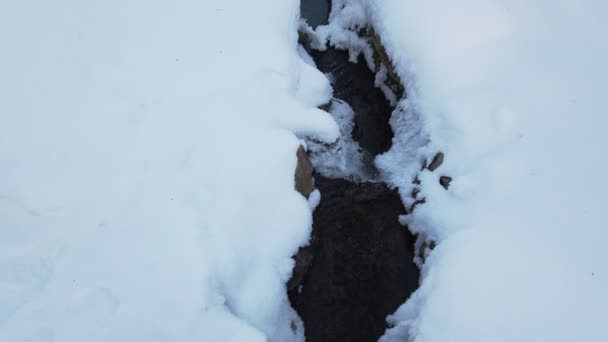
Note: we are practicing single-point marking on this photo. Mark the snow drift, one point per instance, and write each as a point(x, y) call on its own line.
point(147, 156)
point(512, 92)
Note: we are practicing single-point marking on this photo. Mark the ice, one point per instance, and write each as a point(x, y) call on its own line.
point(147, 156)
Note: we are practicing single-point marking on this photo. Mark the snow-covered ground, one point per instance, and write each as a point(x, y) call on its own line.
point(514, 93)
point(147, 156)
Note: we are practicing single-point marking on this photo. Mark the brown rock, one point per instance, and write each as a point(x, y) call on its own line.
point(437, 161)
point(305, 184)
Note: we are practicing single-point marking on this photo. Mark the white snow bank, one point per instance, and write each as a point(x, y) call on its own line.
point(147, 169)
point(345, 158)
point(346, 19)
point(513, 93)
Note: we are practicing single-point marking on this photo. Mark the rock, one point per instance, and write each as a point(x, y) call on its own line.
point(437, 161)
point(325, 107)
point(445, 181)
point(362, 263)
point(293, 326)
point(359, 266)
point(415, 193)
point(426, 247)
point(381, 58)
point(302, 261)
point(305, 184)
point(417, 203)
point(315, 12)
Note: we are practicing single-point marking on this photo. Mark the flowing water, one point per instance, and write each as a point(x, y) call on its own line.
point(359, 266)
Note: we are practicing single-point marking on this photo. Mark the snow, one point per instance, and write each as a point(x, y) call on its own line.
point(147, 156)
point(513, 93)
point(344, 158)
point(346, 18)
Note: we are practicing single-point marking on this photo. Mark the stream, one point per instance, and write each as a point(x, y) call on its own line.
point(359, 265)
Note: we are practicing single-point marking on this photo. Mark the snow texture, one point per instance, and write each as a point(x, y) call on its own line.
point(344, 158)
point(346, 20)
point(349, 21)
point(147, 156)
point(513, 93)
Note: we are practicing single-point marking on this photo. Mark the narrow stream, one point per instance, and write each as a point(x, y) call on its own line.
point(354, 83)
point(359, 266)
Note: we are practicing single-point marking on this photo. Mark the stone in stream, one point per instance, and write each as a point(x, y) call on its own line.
point(305, 183)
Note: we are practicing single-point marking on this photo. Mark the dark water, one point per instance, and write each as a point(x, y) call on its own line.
point(354, 83)
point(362, 267)
point(359, 266)
point(315, 12)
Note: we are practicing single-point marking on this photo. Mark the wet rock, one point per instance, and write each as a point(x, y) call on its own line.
point(305, 183)
point(362, 263)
